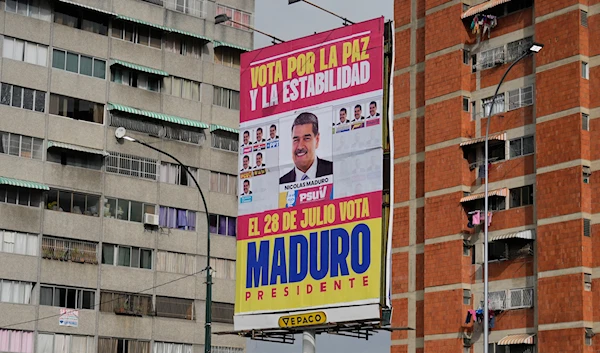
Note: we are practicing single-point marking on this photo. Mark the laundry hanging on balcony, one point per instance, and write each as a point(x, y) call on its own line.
point(482, 24)
point(477, 317)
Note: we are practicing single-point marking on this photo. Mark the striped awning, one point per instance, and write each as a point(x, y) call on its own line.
point(23, 183)
point(525, 338)
point(189, 34)
point(76, 148)
point(497, 137)
point(159, 116)
point(217, 43)
point(474, 10)
point(135, 20)
point(498, 192)
point(214, 127)
point(88, 7)
point(139, 67)
point(164, 28)
point(524, 234)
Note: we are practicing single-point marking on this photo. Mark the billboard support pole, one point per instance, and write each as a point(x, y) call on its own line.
point(309, 341)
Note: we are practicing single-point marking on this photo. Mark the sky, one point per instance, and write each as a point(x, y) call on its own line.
point(288, 22)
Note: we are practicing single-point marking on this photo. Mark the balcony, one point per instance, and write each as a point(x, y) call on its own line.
point(69, 250)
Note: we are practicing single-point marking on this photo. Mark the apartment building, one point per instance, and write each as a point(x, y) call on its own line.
point(103, 243)
point(450, 57)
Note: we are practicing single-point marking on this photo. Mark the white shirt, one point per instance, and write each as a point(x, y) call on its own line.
point(311, 172)
point(372, 116)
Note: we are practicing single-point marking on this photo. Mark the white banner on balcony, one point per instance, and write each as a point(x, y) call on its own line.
point(68, 317)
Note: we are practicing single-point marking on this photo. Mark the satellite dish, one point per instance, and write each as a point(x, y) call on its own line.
point(120, 132)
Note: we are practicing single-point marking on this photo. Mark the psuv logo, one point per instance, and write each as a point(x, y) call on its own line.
point(313, 195)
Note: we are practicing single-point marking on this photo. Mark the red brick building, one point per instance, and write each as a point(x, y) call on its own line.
point(544, 147)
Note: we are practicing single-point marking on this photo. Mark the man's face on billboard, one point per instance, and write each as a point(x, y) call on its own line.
point(258, 160)
point(304, 145)
point(246, 161)
point(246, 137)
point(343, 115)
point(272, 132)
point(246, 186)
point(258, 135)
point(372, 109)
point(357, 112)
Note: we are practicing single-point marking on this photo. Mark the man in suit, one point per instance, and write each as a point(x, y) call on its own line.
point(358, 113)
point(343, 116)
point(259, 135)
point(305, 141)
point(245, 163)
point(246, 138)
point(373, 110)
point(247, 188)
point(259, 163)
point(273, 133)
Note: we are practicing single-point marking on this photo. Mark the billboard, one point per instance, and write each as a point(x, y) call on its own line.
point(310, 205)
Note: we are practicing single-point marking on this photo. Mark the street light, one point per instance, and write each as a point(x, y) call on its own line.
point(533, 49)
point(346, 21)
point(121, 133)
point(222, 18)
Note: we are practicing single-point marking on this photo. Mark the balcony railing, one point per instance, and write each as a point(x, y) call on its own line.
point(69, 250)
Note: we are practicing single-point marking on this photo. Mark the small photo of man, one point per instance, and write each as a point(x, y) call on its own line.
point(358, 113)
point(343, 116)
point(246, 188)
point(246, 139)
point(273, 133)
point(373, 110)
point(259, 135)
point(245, 163)
point(259, 161)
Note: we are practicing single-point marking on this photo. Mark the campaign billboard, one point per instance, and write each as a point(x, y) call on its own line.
point(310, 179)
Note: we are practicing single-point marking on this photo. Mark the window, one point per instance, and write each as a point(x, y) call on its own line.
point(225, 140)
point(522, 196)
point(517, 48)
point(587, 173)
point(173, 262)
point(67, 297)
point(20, 50)
point(222, 312)
point(227, 98)
point(587, 227)
point(127, 210)
point(239, 16)
point(497, 300)
point(522, 146)
point(585, 70)
point(164, 347)
point(68, 201)
point(32, 8)
point(76, 108)
point(473, 110)
point(119, 345)
point(127, 164)
point(223, 268)
point(227, 56)
point(128, 256)
point(137, 33)
point(20, 145)
point(16, 341)
point(585, 122)
point(176, 218)
point(465, 104)
point(18, 243)
point(21, 97)
point(218, 349)
point(79, 64)
point(75, 158)
point(58, 343)
point(498, 105)
point(183, 45)
point(584, 18)
point(497, 151)
point(177, 308)
point(491, 58)
point(125, 303)
point(223, 183)
point(467, 296)
point(589, 335)
point(587, 281)
point(173, 174)
point(520, 97)
point(15, 292)
point(20, 196)
point(466, 250)
point(81, 18)
point(180, 87)
point(72, 250)
point(156, 128)
point(466, 56)
point(502, 250)
point(190, 7)
point(520, 298)
point(224, 225)
point(135, 79)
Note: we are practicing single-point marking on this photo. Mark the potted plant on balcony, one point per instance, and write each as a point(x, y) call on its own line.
point(77, 255)
point(47, 253)
point(61, 255)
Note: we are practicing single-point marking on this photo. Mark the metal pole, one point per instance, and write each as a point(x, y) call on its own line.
point(346, 21)
point(309, 344)
point(485, 211)
point(208, 302)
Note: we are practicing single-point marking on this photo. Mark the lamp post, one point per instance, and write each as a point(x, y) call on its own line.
point(346, 21)
point(222, 18)
point(121, 133)
point(533, 49)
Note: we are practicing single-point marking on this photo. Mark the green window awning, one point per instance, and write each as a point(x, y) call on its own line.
point(76, 148)
point(23, 183)
point(189, 34)
point(135, 20)
point(88, 7)
point(217, 43)
point(164, 28)
point(159, 116)
point(139, 67)
point(214, 127)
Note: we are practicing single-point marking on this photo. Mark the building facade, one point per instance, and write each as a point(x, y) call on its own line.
point(449, 59)
point(115, 230)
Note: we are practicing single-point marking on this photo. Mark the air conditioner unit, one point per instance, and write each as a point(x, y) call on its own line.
point(151, 219)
